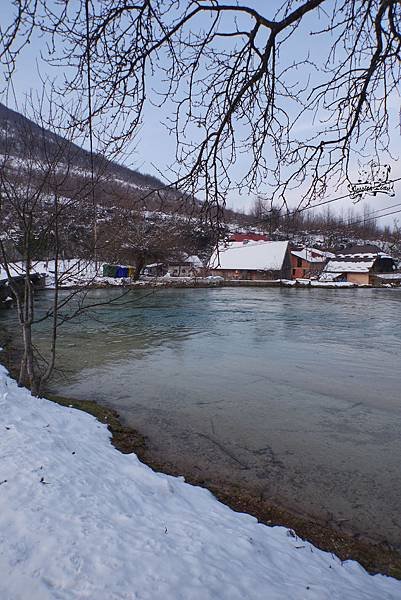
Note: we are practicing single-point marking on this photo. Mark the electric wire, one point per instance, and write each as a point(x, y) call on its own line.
point(313, 206)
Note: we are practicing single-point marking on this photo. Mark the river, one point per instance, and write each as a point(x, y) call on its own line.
point(291, 393)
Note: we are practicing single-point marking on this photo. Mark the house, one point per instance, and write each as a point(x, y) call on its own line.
point(358, 264)
point(308, 263)
point(184, 266)
point(187, 266)
point(254, 237)
point(250, 260)
point(157, 269)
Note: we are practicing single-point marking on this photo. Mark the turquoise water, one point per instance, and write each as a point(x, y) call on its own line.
point(293, 394)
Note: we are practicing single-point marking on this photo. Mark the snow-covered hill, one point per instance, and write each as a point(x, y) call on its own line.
point(14, 127)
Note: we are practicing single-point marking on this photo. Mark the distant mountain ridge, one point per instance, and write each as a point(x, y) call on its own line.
point(14, 124)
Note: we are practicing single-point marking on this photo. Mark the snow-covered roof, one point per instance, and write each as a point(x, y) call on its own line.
point(307, 254)
point(349, 266)
point(185, 259)
point(393, 276)
point(355, 263)
point(326, 276)
point(373, 255)
point(194, 260)
point(252, 256)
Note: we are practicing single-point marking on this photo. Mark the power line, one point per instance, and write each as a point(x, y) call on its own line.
point(367, 219)
point(298, 210)
point(386, 208)
point(311, 207)
point(334, 200)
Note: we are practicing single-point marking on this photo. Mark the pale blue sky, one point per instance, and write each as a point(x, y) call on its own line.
point(154, 145)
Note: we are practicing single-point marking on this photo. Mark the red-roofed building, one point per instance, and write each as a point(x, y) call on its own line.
point(254, 237)
point(308, 262)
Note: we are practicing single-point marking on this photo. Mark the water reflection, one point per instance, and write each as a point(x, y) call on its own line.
point(293, 393)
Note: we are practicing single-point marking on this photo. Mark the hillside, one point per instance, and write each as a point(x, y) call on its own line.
point(25, 147)
point(126, 212)
point(14, 128)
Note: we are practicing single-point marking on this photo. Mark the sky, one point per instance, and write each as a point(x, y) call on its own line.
point(155, 147)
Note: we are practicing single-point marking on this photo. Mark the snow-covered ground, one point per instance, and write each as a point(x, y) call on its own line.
point(80, 520)
point(81, 273)
point(337, 284)
point(72, 272)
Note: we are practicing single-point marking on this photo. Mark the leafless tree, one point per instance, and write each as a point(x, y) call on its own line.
point(42, 204)
point(47, 217)
point(394, 240)
point(296, 91)
point(333, 227)
point(137, 238)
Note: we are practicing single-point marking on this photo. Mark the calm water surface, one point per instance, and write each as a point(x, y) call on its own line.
point(294, 394)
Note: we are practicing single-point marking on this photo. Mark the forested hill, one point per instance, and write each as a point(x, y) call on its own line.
point(28, 144)
point(21, 138)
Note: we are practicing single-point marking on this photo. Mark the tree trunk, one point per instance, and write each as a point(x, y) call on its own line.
point(139, 264)
point(22, 379)
point(29, 359)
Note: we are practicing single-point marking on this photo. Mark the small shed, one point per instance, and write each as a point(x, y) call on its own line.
point(248, 260)
point(187, 266)
point(157, 269)
point(358, 265)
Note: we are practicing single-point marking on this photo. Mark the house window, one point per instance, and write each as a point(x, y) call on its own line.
point(294, 271)
point(299, 262)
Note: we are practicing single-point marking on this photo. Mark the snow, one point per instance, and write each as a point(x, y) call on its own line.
point(79, 272)
point(261, 256)
point(308, 254)
point(393, 276)
point(73, 272)
point(372, 255)
point(344, 266)
point(327, 276)
point(337, 284)
point(326, 282)
point(79, 520)
point(194, 260)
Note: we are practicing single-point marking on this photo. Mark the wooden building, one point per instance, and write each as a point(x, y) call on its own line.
point(184, 266)
point(247, 260)
point(358, 264)
point(187, 266)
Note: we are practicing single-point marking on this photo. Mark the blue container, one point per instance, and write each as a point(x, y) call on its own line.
point(122, 272)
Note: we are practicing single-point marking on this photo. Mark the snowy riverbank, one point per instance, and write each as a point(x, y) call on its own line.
point(78, 519)
point(76, 273)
